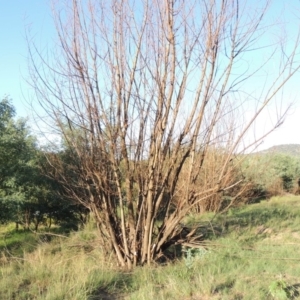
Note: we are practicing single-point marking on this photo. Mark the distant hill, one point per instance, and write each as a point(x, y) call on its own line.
point(288, 149)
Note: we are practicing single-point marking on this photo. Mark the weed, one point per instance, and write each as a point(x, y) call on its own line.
point(193, 254)
point(279, 290)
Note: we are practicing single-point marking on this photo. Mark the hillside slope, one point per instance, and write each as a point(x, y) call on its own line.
point(288, 149)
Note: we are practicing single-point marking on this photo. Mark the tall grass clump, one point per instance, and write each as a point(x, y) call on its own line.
point(66, 268)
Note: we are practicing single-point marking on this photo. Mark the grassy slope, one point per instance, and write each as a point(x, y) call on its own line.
point(251, 253)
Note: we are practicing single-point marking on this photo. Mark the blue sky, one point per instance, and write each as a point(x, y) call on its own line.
point(17, 16)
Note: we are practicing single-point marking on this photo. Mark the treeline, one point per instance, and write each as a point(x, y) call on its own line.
point(272, 174)
point(31, 195)
point(28, 196)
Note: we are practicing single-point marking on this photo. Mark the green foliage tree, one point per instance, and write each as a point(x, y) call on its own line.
point(272, 174)
point(26, 195)
point(14, 145)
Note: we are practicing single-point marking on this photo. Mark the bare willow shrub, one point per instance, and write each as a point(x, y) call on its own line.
point(146, 96)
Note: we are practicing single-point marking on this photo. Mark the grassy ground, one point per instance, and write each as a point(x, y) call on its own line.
point(250, 253)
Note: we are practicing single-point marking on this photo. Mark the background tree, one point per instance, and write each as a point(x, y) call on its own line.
point(15, 150)
point(27, 196)
point(272, 173)
point(154, 89)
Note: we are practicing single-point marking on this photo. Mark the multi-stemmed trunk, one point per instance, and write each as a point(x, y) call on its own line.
point(146, 96)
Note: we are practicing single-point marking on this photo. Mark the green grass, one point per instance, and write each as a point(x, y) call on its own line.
point(249, 253)
point(15, 243)
point(65, 268)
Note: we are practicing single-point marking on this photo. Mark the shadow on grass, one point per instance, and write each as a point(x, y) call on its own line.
point(225, 286)
point(16, 242)
point(293, 291)
point(113, 290)
point(103, 295)
point(255, 216)
point(249, 216)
